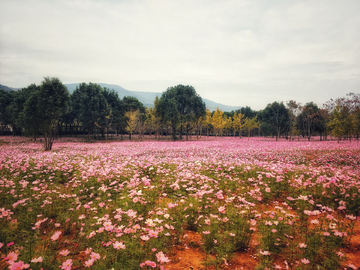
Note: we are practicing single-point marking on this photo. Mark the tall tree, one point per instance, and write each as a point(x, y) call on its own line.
point(294, 110)
point(117, 108)
point(155, 116)
point(132, 121)
point(31, 116)
point(247, 112)
point(309, 119)
point(45, 106)
point(251, 124)
point(238, 122)
point(345, 116)
point(180, 104)
point(90, 105)
point(207, 121)
point(15, 108)
point(218, 121)
point(132, 104)
point(5, 101)
point(276, 118)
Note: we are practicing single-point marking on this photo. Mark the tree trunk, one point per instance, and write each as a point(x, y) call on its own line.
point(174, 131)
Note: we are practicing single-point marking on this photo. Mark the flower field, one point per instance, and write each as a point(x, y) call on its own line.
point(220, 203)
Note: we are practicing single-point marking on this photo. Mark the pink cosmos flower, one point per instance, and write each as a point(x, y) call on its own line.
point(17, 266)
point(95, 256)
point(66, 265)
point(153, 233)
point(352, 266)
point(144, 237)
point(222, 209)
point(12, 256)
point(305, 261)
point(64, 252)
point(37, 260)
point(56, 235)
point(89, 263)
point(91, 234)
point(101, 204)
point(148, 263)
point(340, 254)
point(119, 245)
point(162, 258)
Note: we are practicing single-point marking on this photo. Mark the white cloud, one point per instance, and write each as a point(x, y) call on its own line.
point(234, 52)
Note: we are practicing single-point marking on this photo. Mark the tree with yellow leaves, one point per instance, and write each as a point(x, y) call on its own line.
point(207, 121)
point(228, 124)
point(251, 124)
point(132, 121)
point(238, 122)
point(218, 121)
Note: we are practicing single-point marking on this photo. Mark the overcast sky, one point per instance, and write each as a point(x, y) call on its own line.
point(245, 53)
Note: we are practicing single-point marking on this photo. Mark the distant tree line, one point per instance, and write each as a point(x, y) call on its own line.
point(49, 110)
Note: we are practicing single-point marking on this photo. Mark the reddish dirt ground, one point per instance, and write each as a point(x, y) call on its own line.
point(189, 255)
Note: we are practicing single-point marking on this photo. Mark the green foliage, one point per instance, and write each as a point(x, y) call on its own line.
point(90, 106)
point(309, 120)
point(275, 118)
point(180, 105)
point(43, 107)
point(117, 109)
point(5, 100)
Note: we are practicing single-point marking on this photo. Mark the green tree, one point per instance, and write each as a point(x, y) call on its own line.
point(132, 104)
point(180, 105)
point(45, 106)
point(275, 119)
point(345, 116)
point(15, 108)
point(247, 112)
point(294, 110)
point(5, 100)
point(309, 120)
point(90, 106)
point(31, 116)
point(117, 109)
point(337, 123)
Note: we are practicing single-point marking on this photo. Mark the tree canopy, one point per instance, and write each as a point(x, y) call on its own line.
point(180, 105)
point(275, 119)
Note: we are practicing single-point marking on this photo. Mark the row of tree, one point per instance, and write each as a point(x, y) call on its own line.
point(339, 117)
point(49, 108)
